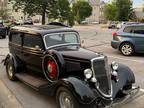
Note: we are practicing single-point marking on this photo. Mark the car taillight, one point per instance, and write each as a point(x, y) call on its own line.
point(52, 69)
point(114, 34)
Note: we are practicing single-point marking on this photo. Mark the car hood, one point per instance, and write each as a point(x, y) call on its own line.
point(77, 53)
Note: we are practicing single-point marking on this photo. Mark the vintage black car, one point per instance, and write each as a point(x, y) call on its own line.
point(51, 60)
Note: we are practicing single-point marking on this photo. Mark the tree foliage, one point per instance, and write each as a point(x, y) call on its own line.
point(110, 11)
point(81, 10)
point(54, 9)
point(4, 13)
point(120, 10)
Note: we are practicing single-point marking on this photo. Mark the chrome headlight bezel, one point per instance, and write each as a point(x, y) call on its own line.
point(88, 73)
point(114, 66)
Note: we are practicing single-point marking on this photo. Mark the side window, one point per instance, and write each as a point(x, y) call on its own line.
point(128, 29)
point(139, 30)
point(32, 41)
point(16, 38)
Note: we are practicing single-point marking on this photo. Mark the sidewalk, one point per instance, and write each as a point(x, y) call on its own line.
point(7, 99)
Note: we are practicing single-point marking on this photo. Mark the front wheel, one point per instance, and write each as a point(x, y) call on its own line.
point(127, 49)
point(65, 99)
point(10, 70)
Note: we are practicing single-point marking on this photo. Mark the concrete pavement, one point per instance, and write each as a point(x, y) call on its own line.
point(7, 99)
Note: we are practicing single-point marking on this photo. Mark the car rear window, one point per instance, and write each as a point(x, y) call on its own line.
point(128, 29)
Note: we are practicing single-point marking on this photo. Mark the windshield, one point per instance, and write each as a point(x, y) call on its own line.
point(59, 39)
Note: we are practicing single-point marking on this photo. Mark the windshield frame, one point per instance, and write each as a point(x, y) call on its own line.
point(59, 45)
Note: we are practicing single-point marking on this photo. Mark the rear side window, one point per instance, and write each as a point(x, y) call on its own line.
point(128, 29)
point(16, 38)
point(32, 41)
point(139, 30)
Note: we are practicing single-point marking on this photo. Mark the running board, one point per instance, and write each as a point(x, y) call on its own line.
point(33, 81)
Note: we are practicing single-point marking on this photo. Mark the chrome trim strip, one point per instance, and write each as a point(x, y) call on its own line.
point(53, 46)
point(97, 86)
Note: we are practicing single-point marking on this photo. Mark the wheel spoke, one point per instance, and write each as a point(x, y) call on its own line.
point(65, 100)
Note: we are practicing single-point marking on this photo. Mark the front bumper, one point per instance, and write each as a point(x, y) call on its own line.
point(131, 95)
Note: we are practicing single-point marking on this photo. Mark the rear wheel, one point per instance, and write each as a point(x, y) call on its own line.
point(10, 70)
point(127, 49)
point(65, 99)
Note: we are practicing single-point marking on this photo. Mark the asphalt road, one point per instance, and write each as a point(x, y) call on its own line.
point(96, 39)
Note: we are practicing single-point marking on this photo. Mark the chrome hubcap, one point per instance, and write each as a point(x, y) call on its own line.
point(10, 70)
point(126, 49)
point(65, 100)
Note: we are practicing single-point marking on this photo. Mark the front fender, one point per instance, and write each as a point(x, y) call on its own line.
point(125, 76)
point(79, 89)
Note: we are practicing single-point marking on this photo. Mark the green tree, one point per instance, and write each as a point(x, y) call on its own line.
point(4, 13)
point(120, 10)
point(81, 10)
point(124, 10)
point(110, 11)
point(64, 10)
point(40, 7)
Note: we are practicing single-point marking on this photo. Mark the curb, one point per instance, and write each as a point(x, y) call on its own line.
point(7, 99)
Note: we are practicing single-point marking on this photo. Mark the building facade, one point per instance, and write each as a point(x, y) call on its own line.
point(98, 11)
point(139, 12)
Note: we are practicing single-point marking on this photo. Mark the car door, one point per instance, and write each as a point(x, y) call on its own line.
point(139, 38)
point(33, 52)
point(15, 44)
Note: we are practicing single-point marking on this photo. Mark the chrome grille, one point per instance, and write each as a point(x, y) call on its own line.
point(101, 71)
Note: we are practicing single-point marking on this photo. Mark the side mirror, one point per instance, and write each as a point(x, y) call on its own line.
point(82, 44)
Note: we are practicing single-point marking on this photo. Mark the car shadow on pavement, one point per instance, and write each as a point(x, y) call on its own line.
point(27, 96)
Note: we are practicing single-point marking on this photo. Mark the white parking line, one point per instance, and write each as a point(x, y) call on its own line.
point(139, 61)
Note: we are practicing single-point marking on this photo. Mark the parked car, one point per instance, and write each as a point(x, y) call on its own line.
point(3, 30)
point(129, 39)
point(51, 60)
point(28, 22)
point(112, 25)
point(58, 24)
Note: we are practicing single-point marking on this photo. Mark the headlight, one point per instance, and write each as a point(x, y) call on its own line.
point(88, 73)
point(114, 66)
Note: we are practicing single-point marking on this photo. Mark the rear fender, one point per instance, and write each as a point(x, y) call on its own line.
point(15, 60)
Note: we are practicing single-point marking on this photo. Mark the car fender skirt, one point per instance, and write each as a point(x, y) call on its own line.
point(79, 89)
point(125, 76)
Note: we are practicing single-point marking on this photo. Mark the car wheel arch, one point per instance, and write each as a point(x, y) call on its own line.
point(126, 42)
point(15, 61)
point(70, 84)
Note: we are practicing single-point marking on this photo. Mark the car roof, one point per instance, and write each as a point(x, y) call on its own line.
point(41, 29)
point(135, 24)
